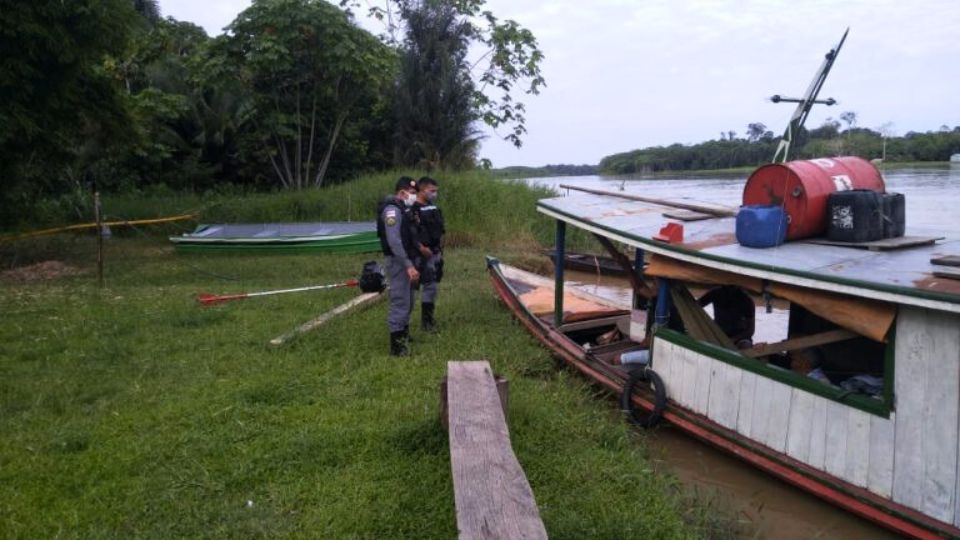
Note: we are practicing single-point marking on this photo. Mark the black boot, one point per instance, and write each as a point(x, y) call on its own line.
point(398, 344)
point(427, 323)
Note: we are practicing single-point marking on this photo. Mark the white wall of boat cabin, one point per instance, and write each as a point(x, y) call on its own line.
point(910, 457)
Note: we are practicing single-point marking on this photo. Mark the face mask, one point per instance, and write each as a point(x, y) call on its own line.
point(410, 199)
point(432, 196)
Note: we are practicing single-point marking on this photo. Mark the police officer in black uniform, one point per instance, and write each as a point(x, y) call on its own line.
point(430, 245)
point(397, 231)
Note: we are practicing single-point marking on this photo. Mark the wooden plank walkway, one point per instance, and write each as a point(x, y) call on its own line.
point(493, 497)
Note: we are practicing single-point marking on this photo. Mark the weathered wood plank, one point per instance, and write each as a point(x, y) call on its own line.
point(493, 497)
point(908, 467)
point(688, 391)
point(748, 385)
point(762, 405)
point(704, 375)
point(818, 434)
point(856, 464)
point(779, 416)
point(771, 413)
point(885, 244)
point(830, 336)
point(362, 300)
point(941, 413)
point(946, 260)
point(686, 215)
point(800, 425)
point(947, 273)
point(835, 452)
point(880, 475)
point(724, 400)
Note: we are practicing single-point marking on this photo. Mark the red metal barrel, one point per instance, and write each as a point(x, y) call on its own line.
point(802, 188)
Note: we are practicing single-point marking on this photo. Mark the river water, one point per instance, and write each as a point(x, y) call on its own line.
point(764, 506)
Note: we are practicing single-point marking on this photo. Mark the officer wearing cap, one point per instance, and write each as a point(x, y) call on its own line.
point(430, 245)
point(397, 232)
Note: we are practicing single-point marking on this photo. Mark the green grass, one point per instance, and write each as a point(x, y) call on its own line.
point(133, 412)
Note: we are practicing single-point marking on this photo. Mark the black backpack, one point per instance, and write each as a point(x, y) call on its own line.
point(372, 278)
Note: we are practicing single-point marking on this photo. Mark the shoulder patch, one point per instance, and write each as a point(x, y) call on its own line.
point(391, 221)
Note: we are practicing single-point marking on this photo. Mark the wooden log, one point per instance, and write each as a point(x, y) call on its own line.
point(362, 300)
point(493, 497)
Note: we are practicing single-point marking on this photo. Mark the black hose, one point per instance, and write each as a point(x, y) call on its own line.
point(637, 416)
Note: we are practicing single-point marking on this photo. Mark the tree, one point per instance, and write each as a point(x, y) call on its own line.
point(308, 69)
point(756, 131)
point(433, 105)
point(850, 118)
point(60, 109)
point(510, 57)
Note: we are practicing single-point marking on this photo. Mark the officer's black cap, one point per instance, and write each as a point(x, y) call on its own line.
point(405, 183)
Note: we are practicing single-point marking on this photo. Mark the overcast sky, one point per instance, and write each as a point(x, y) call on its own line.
point(625, 74)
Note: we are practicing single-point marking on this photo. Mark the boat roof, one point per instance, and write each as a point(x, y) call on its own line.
point(263, 231)
point(903, 276)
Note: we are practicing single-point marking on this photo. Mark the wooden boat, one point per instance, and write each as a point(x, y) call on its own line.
point(891, 457)
point(332, 237)
point(585, 262)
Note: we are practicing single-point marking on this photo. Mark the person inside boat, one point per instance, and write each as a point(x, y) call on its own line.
point(734, 312)
point(395, 227)
point(430, 244)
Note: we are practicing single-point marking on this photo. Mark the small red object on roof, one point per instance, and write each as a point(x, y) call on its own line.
point(671, 233)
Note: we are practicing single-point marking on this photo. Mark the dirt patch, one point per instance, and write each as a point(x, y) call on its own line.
point(43, 271)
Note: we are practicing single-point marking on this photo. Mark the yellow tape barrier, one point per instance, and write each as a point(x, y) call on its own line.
point(82, 226)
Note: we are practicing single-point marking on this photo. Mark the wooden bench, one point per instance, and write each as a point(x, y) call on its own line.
point(493, 497)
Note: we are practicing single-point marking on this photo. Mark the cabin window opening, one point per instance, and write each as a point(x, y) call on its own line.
point(774, 335)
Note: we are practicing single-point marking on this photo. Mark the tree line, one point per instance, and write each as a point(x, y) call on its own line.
point(295, 94)
point(757, 147)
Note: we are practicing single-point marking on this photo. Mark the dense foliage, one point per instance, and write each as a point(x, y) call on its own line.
point(294, 95)
point(759, 146)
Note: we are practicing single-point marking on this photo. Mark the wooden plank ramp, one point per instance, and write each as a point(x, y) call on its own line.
point(313, 324)
point(493, 497)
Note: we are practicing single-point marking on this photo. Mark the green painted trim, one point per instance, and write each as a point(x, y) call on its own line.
point(362, 245)
point(928, 295)
point(866, 404)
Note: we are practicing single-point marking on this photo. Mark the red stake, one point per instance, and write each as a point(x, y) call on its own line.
point(208, 299)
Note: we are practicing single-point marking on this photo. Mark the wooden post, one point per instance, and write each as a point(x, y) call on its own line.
point(492, 494)
point(98, 217)
point(561, 241)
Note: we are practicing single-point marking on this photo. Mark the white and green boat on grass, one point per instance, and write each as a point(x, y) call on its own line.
point(332, 237)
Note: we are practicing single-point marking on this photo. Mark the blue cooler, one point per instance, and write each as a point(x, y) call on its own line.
point(761, 225)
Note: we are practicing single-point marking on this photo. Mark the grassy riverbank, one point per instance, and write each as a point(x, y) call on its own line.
point(131, 411)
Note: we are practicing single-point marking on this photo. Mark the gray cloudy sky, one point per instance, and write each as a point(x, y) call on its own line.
point(624, 74)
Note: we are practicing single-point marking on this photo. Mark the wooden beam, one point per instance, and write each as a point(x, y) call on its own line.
point(831, 336)
point(493, 497)
point(713, 211)
point(362, 300)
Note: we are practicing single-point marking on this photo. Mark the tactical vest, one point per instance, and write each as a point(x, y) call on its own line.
point(431, 224)
point(407, 228)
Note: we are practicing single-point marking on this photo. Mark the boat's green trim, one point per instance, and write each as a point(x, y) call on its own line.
point(867, 404)
point(917, 293)
point(361, 243)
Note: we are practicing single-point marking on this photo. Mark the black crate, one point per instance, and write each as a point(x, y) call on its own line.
point(855, 216)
